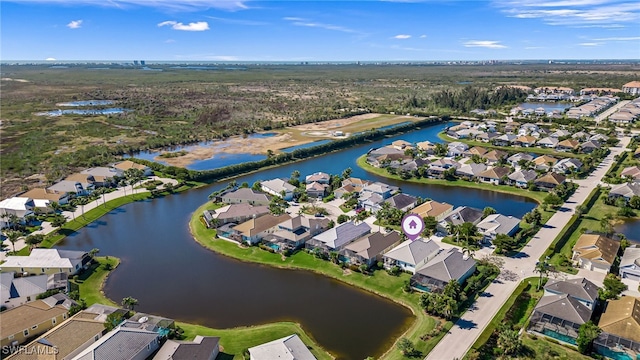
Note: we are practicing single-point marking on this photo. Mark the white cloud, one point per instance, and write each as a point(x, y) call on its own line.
point(169, 41)
point(485, 44)
point(75, 24)
point(309, 23)
point(293, 18)
point(171, 5)
point(402, 36)
point(50, 59)
point(621, 38)
point(423, 36)
point(194, 26)
point(590, 44)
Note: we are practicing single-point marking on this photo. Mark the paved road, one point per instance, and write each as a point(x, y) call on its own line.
point(468, 328)
point(611, 110)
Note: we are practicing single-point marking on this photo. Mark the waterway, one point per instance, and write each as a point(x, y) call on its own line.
point(171, 275)
point(548, 107)
point(631, 229)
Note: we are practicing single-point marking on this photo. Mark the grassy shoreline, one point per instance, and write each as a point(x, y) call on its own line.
point(380, 283)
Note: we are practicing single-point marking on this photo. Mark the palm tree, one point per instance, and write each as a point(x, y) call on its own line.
point(13, 236)
point(129, 302)
point(34, 239)
point(542, 267)
point(468, 251)
point(94, 252)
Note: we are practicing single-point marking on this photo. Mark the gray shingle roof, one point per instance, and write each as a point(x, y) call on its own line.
point(287, 348)
point(448, 265)
point(413, 252)
point(464, 214)
point(564, 307)
point(342, 234)
point(372, 245)
point(580, 288)
point(400, 201)
point(120, 344)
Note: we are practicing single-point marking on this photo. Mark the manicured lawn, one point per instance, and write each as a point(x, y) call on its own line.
point(543, 349)
point(91, 281)
point(535, 195)
point(380, 282)
point(235, 341)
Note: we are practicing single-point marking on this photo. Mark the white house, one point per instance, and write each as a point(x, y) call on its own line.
point(289, 347)
point(278, 187)
point(18, 206)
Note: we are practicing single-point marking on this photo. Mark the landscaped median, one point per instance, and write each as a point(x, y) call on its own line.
point(380, 282)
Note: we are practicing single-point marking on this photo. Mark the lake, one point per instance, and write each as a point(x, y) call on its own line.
point(631, 229)
point(171, 275)
point(548, 107)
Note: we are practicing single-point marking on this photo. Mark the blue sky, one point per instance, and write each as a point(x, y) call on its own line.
point(222, 30)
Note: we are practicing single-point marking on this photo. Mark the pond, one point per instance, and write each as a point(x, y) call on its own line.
point(548, 107)
point(59, 112)
point(630, 229)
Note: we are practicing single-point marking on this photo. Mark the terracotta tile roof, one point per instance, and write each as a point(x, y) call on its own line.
point(255, 226)
point(597, 248)
point(44, 194)
point(569, 143)
point(544, 160)
point(432, 208)
point(24, 316)
point(495, 173)
point(622, 318)
point(128, 164)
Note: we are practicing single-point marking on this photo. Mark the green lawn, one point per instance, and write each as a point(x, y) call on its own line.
point(380, 282)
point(91, 281)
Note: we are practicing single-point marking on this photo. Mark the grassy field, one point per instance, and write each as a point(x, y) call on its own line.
point(91, 281)
point(380, 282)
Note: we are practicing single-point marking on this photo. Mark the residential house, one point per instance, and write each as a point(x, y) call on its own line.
point(544, 162)
point(528, 128)
point(47, 261)
point(622, 117)
point(378, 188)
point(459, 216)
point(253, 230)
point(370, 202)
point(620, 324)
point(278, 187)
point(477, 150)
point(559, 317)
point(488, 137)
point(65, 341)
point(50, 196)
point(515, 159)
point(521, 178)
point(33, 319)
point(449, 265)
point(126, 342)
point(21, 207)
point(599, 138)
point(560, 133)
point(427, 146)
point(548, 142)
point(630, 264)
point(495, 224)
point(292, 234)
point(345, 190)
point(470, 170)
point(580, 135)
point(494, 175)
point(636, 154)
point(525, 141)
point(590, 146)
point(504, 140)
point(402, 145)
point(200, 348)
point(358, 184)
point(16, 291)
point(73, 186)
point(467, 133)
point(580, 289)
point(632, 87)
point(567, 165)
point(631, 171)
point(128, 164)
point(495, 156)
point(103, 176)
point(457, 149)
point(368, 250)
point(438, 167)
point(626, 190)
point(595, 252)
point(567, 145)
point(335, 239)
point(245, 195)
point(233, 213)
point(433, 208)
point(386, 150)
point(288, 347)
point(319, 177)
point(316, 190)
point(549, 181)
point(411, 255)
point(402, 202)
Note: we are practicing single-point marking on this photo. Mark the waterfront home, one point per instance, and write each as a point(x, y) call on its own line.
point(549, 181)
point(595, 252)
point(544, 162)
point(60, 197)
point(620, 324)
point(402, 145)
point(456, 149)
point(386, 150)
point(16, 291)
point(567, 145)
point(253, 230)
point(244, 195)
point(103, 176)
point(316, 190)
point(521, 178)
point(72, 186)
point(356, 183)
point(449, 265)
point(402, 202)
point(411, 255)
point(580, 289)
point(477, 150)
point(525, 141)
point(411, 165)
point(371, 202)
point(626, 190)
point(567, 165)
point(288, 347)
point(66, 340)
point(438, 167)
point(319, 177)
point(495, 224)
point(278, 187)
point(630, 264)
point(487, 137)
point(559, 317)
point(504, 140)
point(632, 172)
point(458, 216)
point(233, 213)
point(368, 250)
point(21, 207)
point(435, 209)
point(335, 239)
point(470, 171)
point(128, 164)
point(291, 234)
point(33, 319)
point(201, 347)
point(47, 261)
point(427, 147)
point(515, 159)
point(494, 175)
point(495, 156)
point(590, 146)
point(548, 142)
point(127, 341)
point(467, 133)
point(381, 189)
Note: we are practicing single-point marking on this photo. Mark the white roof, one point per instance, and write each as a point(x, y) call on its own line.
point(42, 203)
point(45, 258)
point(15, 203)
point(287, 348)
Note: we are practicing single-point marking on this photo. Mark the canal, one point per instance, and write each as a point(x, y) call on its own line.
point(171, 275)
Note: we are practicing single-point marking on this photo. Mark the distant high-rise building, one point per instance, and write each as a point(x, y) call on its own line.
point(142, 62)
point(135, 62)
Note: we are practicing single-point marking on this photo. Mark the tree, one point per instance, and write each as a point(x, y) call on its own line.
point(467, 251)
point(58, 220)
point(605, 224)
point(509, 340)
point(542, 267)
point(406, 347)
point(613, 287)
point(430, 224)
point(553, 200)
point(468, 232)
point(295, 178)
point(13, 236)
point(534, 217)
point(504, 242)
point(488, 211)
point(129, 302)
point(587, 333)
point(343, 218)
point(94, 252)
point(114, 319)
point(34, 240)
point(347, 173)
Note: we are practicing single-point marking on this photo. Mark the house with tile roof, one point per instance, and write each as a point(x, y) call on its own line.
point(411, 255)
point(458, 216)
point(47, 261)
point(103, 176)
point(580, 289)
point(559, 317)
point(525, 141)
point(567, 165)
point(200, 348)
point(293, 233)
point(625, 190)
point(18, 206)
point(123, 343)
point(494, 175)
point(521, 178)
point(61, 197)
point(402, 201)
point(477, 150)
point(233, 213)
point(433, 208)
point(286, 348)
point(470, 170)
point(544, 162)
point(368, 250)
point(495, 224)
point(632, 172)
point(515, 159)
point(620, 324)
point(630, 264)
point(319, 177)
point(128, 164)
point(567, 145)
point(335, 239)
point(278, 187)
point(636, 154)
point(595, 252)
point(253, 231)
point(548, 142)
point(449, 265)
point(15, 291)
point(316, 190)
point(244, 195)
point(632, 87)
point(549, 181)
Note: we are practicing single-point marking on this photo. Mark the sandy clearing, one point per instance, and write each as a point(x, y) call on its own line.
point(332, 124)
point(17, 80)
